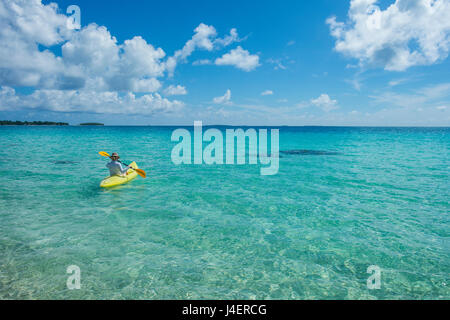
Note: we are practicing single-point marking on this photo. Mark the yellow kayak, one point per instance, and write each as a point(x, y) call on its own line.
point(112, 181)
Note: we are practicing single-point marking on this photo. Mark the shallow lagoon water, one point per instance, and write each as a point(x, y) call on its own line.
point(371, 196)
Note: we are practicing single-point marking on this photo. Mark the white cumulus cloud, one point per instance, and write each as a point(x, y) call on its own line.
point(407, 33)
point(24, 26)
point(204, 38)
point(267, 93)
point(225, 99)
point(229, 39)
point(201, 62)
point(88, 101)
point(89, 70)
point(91, 55)
point(325, 103)
point(175, 90)
point(239, 58)
point(131, 66)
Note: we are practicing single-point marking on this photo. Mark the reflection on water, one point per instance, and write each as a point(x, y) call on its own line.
point(65, 162)
point(310, 152)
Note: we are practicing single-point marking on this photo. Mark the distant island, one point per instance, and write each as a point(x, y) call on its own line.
point(31, 123)
point(91, 124)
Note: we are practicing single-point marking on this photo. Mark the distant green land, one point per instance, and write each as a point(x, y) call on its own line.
point(91, 124)
point(31, 123)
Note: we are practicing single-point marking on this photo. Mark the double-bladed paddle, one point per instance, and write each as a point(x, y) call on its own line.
point(139, 171)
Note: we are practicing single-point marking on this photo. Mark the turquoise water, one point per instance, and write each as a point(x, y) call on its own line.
point(199, 232)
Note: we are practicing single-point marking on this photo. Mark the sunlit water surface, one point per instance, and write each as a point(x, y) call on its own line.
point(370, 196)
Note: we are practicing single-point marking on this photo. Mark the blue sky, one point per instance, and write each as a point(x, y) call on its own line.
point(381, 63)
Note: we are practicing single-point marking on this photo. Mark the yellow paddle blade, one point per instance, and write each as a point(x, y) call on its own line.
point(141, 172)
point(103, 153)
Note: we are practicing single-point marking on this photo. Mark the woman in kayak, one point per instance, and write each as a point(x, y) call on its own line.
point(115, 166)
